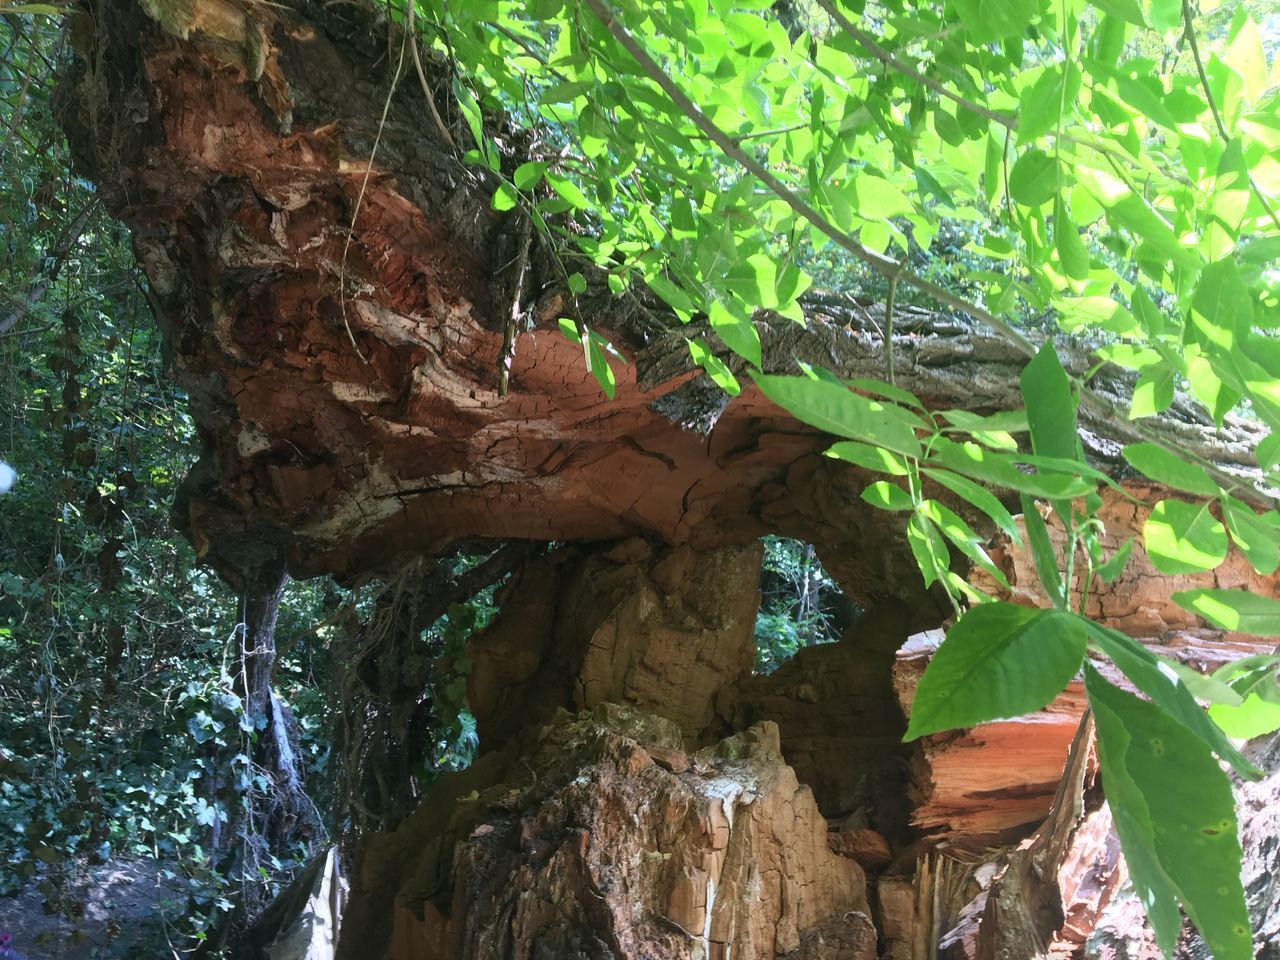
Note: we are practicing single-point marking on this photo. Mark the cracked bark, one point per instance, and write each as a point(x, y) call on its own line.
point(235, 139)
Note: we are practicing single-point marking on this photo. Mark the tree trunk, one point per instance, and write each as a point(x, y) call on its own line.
point(337, 319)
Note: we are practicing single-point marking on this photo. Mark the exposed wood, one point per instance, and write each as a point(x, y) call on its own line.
point(236, 139)
point(593, 825)
point(338, 315)
point(998, 779)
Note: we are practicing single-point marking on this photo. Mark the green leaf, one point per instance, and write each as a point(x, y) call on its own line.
point(569, 330)
point(1184, 537)
point(1051, 408)
point(888, 496)
point(1158, 464)
point(505, 197)
point(991, 431)
point(735, 328)
point(569, 191)
point(989, 20)
point(594, 349)
point(878, 199)
point(1222, 308)
point(999, 660)
point(1153, 392)
point(999, 469)
point(928, 547)
point(1149, 227)
point(878, 388)
point(865, 455)
point(1166, 690)
point(962, 535)
point(1268, 454)
point(1205, 688)
point(1116, 563)
point(843, 413)
point(1254, 717)
point(528, 174)
point(1257, 539)
point(1042, 552)
point(980, 497)
point(716, 368)
point(1071, 249)
point(1234, 610)
point(1175, 814)
point(755, 281)
point(1033, 181)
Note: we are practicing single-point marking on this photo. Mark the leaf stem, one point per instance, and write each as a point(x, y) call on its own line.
point(1188, 29)
point(868, 43)
point(887, 266)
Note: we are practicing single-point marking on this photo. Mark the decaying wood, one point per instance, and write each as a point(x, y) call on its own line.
point(236, 140)
point(994, 782)
point(608, 817)
point(338, 319)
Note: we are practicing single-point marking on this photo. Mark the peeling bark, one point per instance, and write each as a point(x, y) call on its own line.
point(1057, 893)
point(338, 320)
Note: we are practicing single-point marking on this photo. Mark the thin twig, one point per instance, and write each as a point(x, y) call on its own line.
point(509, 331)
point(868, 43)
point(364, 185)
point(890, 268)
point(422, 77)
point(888, 323)
point(1189, 30)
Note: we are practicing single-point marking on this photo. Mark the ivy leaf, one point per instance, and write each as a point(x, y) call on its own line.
point(1234, 610)
point(1175, 814)
point(1184, 537)
point(999, 660)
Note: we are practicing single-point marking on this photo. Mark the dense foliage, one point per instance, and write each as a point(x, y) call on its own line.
point(1109, 167)
point(121, 728)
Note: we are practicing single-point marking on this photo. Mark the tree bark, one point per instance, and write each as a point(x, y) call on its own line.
point(337, 319)
point(338, 316)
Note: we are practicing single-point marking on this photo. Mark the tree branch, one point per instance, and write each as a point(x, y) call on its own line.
point(1189, 31)
point(892, 269)
point(868, 43)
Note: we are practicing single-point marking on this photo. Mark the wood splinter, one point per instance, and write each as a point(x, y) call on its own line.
point(520, 265)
